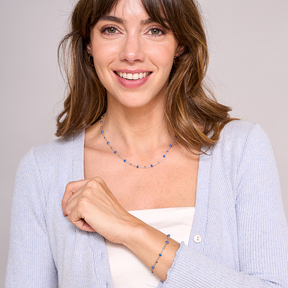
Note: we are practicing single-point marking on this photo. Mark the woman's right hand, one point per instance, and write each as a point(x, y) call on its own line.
point(91, 206)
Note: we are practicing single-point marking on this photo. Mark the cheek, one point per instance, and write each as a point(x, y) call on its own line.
point(103, 55)
point(162, 56)
point(163, 60)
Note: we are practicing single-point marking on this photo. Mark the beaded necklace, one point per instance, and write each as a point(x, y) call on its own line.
point(124, 160)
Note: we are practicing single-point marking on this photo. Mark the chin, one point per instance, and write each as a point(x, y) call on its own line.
point(135, 103)
point(133, 100)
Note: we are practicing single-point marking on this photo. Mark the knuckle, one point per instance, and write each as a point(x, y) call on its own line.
point(83, 202)
point(70, 186)
point(68, 212)
point(88, 192)
point(99, 180)
point(93, 183)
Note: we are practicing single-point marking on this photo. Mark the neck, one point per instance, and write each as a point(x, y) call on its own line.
point(138, 132)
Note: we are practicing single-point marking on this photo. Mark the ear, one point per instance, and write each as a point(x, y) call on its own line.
point(89, 49)
point(180, 50)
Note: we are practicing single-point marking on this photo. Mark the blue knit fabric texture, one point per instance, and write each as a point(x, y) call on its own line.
point(239, 219)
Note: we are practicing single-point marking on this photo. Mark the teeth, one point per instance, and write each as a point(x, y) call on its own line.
point(134, 76)
point(129, 76)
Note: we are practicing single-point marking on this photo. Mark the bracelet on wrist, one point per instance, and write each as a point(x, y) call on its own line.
point(160, 254)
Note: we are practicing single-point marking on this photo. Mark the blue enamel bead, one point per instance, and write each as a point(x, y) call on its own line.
point(115, 152)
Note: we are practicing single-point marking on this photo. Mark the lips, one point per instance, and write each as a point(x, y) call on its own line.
point(133, 79)
point(132, 75)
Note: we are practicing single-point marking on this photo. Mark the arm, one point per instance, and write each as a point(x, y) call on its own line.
point(261, 264)
point(30, 262)
point(262, 229)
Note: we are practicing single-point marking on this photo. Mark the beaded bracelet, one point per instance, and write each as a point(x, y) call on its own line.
point(160, 254)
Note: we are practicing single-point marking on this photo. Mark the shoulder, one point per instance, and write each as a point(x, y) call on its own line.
point(58, 150)
point(240, 135)
point(241, 144)
point(53, 157)
point(243, 157)
point(241, 130)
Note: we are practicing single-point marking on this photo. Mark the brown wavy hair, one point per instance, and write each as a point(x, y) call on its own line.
point(192, 112)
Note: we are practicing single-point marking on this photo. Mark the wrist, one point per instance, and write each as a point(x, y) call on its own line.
point(135, 231)
point(147, 243)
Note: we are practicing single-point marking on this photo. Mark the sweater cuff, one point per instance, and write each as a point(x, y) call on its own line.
point(173, 268)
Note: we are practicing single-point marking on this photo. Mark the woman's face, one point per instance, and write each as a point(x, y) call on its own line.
point(133, 55)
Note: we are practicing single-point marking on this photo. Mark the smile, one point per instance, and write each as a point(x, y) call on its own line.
point(133, 76)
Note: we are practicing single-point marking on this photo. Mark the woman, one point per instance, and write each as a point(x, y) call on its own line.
point(136, 88)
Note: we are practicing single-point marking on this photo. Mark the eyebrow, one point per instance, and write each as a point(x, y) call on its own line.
point(122, 21)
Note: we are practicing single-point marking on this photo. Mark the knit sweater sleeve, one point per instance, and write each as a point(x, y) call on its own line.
point(30, 262)
point(261, 225)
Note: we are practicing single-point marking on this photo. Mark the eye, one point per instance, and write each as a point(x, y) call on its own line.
point(109, 30)
point(156, 31)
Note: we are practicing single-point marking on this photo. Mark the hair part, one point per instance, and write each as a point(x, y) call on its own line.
point(191, 110)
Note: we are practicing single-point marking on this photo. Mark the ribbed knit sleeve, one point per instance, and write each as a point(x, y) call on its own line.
point(30, 262)
point(261, 227)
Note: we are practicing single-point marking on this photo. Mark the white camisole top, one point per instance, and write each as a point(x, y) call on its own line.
point(126, 269)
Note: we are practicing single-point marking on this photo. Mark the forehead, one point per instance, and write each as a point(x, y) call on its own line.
point(128, 9)
point(143, 11)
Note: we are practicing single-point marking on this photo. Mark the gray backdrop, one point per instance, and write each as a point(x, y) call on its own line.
point(248, 71)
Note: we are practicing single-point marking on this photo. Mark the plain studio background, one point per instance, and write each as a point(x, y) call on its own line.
point(248, 68)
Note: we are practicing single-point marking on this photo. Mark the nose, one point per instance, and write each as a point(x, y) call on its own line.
point(132, 49)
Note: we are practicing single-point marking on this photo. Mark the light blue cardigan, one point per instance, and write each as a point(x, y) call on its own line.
point(239, 217)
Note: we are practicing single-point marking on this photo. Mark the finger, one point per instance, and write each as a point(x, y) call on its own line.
point(82, 196)
point(75, 217)
point(71, 188)
point(71, 203)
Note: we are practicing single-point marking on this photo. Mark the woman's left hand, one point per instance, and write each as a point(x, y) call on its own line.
point(91, 206)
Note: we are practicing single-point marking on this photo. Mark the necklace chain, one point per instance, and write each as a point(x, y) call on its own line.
point(124, 160)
